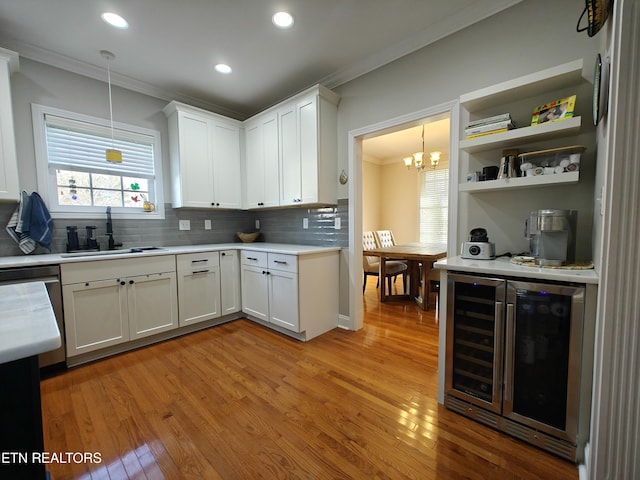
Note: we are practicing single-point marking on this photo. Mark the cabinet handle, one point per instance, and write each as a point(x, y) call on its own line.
point(280, 262)
point(122, 282)
point(199, 261)
point(223, 254)
point(252, 258)
point(200, 271)
point(131, 282)
point(509, 357)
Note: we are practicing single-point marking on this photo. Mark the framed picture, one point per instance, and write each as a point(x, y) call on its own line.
point(554, 111)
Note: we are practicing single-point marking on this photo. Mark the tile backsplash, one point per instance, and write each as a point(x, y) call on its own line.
point(277, 226)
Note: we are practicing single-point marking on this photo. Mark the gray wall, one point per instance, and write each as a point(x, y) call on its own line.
point(533, 35)
point(39, 83)
point(528, 37)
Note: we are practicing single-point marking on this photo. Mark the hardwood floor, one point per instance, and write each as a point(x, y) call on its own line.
point(239, 401)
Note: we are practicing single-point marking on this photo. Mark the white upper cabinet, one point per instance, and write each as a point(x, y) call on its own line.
point(261, 176)
point(308, 156)
point(9, 188)
point(297, 141)
point(205, 158)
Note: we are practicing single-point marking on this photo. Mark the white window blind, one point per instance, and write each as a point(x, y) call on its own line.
point(74, 176)
point(81, 146)
point(434, 206)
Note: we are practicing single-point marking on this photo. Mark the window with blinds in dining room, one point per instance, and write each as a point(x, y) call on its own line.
point(434, 206)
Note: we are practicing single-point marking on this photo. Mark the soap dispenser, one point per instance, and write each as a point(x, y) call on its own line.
point(72, 239)
point(92, 243)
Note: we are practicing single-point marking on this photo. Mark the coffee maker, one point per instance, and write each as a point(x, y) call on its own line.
point(552, 236)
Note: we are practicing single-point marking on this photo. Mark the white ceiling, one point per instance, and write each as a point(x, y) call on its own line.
point(172, 45)
point(393, 147)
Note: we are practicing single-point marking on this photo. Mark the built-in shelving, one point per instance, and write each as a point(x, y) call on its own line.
point(521, 182)
point(535, 83)
point(515, 137)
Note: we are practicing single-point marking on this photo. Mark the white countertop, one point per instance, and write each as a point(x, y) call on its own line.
point(53, 259)
point(28, 325)
point(503, 266)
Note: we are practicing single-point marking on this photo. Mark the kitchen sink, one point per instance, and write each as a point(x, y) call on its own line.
point(122, 251)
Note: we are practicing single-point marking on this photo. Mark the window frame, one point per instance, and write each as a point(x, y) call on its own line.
point(443, 185)
point(46, 177)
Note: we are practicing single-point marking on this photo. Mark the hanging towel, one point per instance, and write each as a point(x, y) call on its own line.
point(31, 225)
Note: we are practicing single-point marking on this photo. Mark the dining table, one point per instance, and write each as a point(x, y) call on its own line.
point(420, 258)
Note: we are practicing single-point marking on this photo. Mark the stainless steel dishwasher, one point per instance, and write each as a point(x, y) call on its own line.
point(50, 275)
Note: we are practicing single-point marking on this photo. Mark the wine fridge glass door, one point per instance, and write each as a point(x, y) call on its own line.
point(542, 356)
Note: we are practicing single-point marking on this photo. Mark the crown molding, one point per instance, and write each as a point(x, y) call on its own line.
point(95, 72)
point(454, 23)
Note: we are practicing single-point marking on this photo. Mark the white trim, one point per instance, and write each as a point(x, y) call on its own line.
point(38, 113)
point(615, 413)
point(354, 145)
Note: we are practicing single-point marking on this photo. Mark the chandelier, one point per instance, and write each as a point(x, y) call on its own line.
point(417, 159)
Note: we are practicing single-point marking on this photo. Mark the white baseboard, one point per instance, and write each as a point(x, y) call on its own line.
point(344, 321)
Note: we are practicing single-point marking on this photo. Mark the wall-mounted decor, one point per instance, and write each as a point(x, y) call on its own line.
point(597, 13)
point(600, 89)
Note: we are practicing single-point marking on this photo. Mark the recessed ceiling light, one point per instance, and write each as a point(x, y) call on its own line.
point(223, 68)
point(115, 20)
point(282, 20)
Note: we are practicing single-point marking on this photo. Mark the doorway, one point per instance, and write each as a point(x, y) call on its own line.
point(355, 156)
point(398, 192)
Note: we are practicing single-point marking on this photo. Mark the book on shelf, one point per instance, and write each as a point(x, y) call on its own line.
point(494, 119)
point(489, 127)
point(490, 132)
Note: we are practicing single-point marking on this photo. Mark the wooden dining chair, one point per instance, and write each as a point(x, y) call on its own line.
point(371, 264)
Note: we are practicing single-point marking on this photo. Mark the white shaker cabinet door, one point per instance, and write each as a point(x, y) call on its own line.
point(153, 304)
point(255, 292)
point(290, 193)
point(307, 112)
point(195, 165)
point(231, 300)
point(283, 299)
point(95, 315)
point(199, 297)
point(9, 186)
point(226, 166)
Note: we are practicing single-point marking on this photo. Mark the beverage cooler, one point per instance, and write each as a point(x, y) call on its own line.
point(518, 358)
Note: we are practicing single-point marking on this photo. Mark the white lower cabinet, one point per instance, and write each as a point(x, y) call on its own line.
point(198, 287)
point(208, 285)
point(152, 304)
point(230, 298)
point(270, 289)
point(297, 293)
point(114, 301)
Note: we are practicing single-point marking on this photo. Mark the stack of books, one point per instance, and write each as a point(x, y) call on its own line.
point(489, 126)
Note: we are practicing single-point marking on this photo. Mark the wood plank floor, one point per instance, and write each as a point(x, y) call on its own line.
point(239, 401)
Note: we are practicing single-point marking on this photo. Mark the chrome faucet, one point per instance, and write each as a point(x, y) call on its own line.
point(111, 242)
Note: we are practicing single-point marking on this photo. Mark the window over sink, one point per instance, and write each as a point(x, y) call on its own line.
point(74, 176)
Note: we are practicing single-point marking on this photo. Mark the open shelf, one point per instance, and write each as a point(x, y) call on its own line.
point(515, 137)
point(525, 86)
point(520, 182)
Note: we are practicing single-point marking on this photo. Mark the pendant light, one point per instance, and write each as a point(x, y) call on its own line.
point(113, 155)
point(417, 160)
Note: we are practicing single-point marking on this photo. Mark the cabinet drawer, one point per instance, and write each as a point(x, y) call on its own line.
point(188, 262)
point(256, 259)
point(91, 271)
point(285, 263)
